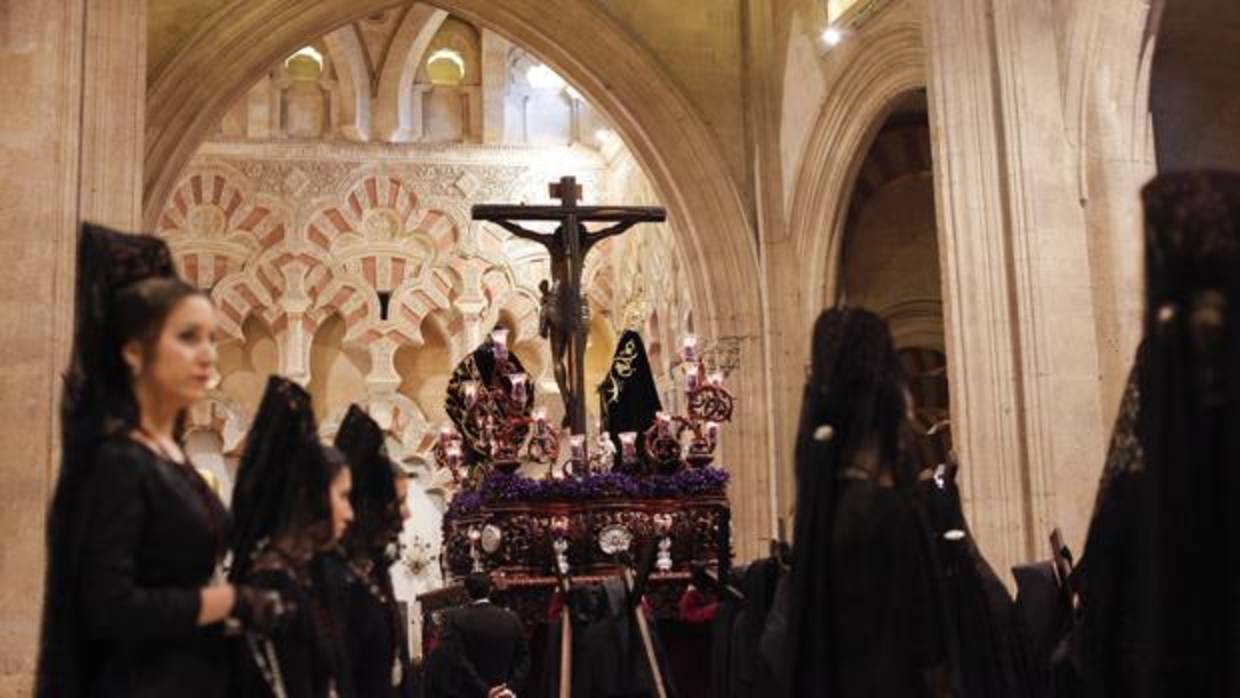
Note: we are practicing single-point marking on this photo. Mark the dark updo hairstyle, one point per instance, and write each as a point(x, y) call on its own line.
point(308, 527)
point(138, 312)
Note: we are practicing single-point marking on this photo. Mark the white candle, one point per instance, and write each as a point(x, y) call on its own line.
point(518, 387)
point(628, 446)
point(499, 337)
point(577, 447)
point(664, 423)
point(471, 393)
point(688, 348)
point(692, 375)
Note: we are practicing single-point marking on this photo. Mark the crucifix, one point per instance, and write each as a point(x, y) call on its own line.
point(563, 318)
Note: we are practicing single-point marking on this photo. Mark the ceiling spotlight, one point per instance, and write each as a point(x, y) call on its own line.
point(832, 36)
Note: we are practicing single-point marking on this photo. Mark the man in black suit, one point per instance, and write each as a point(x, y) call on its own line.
point(485, 644)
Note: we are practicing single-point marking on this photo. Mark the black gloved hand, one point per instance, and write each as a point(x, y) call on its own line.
point(260, 610)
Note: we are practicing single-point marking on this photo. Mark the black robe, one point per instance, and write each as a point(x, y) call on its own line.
point(980, 613)
point(613, 662)
point(887, 625)
point(609, 659)
point(750, 674)
point(153, 535)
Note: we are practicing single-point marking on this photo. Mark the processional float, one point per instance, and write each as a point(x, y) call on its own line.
point(653, 493)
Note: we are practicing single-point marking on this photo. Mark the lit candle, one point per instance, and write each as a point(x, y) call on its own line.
point(499, 337)
point(471, 393)
point(577, 447)
point(664, 423)
point(540, 415)
point(712, 432)
point(453, 453)
point(688, 348)
point(518, 387)
point(445, 435)
point(692, 375)
point(716, 379)
point(628, 446)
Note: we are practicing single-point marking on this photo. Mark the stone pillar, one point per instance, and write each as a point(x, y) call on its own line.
point(74, 76)
point(382, 381)
point(259, 108)
point(113, 111)
point(1019, 311)
point(494, 85)
point(417, 127)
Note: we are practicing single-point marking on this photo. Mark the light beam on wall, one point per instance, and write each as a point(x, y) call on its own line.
point(451, 56)
point(309, 52)
point(544, 78)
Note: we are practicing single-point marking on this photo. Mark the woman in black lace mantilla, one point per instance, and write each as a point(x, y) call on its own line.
point(1160, 579)
point(291, 508)
point(134, 535)
point(377, 643)
point(865, 613)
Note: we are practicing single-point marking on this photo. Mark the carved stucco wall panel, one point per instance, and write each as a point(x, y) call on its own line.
point(296, 233)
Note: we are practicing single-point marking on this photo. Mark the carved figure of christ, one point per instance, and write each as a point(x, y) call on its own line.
point(568, 246)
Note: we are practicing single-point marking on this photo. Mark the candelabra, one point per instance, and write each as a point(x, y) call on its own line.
point(498, 417)
point(499, 425)
point(674, 440)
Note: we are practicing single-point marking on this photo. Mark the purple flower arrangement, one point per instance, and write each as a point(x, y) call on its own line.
point(501, 488)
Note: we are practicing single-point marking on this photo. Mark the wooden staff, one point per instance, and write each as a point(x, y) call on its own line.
point(566, 640)
point(636, 589)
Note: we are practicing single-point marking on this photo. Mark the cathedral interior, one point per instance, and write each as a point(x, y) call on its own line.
point(967, 169)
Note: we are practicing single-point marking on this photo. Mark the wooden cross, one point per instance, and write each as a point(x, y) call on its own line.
point(563, 305)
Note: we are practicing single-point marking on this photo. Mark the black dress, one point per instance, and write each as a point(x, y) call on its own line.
point(887, 620)
point(154, 533)
point(310, 659)
point(980, 613)
point(376, 638)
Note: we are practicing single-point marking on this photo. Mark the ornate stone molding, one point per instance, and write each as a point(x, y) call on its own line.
point(889, 65)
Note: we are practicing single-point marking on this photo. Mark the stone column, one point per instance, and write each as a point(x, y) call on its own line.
point(494, 85)
point(113, 112)
point(1019, 311)
point(74, 80)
